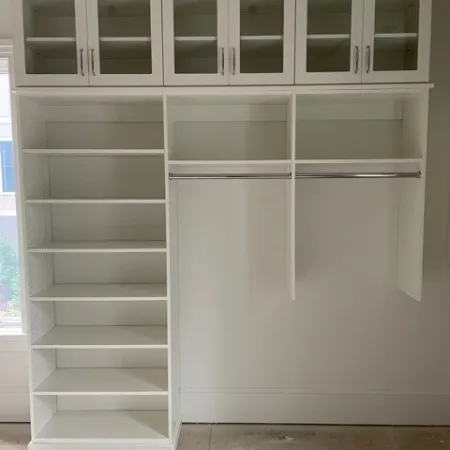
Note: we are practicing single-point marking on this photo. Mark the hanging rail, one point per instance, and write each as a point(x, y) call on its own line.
point(288, 176)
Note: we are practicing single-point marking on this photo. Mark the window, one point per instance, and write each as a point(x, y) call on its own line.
point(6, 153)
point(10, 299)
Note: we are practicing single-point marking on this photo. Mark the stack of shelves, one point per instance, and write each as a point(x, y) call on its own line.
point(97, 269)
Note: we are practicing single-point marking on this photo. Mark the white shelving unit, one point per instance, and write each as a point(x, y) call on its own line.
point(94, 192)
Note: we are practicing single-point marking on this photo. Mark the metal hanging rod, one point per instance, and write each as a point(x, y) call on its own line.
point(366, 175)
point(288, 176)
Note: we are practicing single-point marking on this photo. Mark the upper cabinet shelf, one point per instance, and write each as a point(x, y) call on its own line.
point(221, 42)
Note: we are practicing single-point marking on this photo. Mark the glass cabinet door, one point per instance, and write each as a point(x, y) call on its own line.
point(397, 40)
point(329, 41)
point(125, 42)
point(50, 42)
point(262, 35)
point(195, 41)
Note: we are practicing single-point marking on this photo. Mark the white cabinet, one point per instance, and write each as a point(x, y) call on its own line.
point(218, 42)
point(50, 42)
point(95, 42)
point(370, 41)
point(397, 36)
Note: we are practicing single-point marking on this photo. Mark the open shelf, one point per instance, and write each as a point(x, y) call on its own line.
point(105, 382)
point(247, 162)
point(125, 39)
point(93, 152)
point(102, 247)
point(94, 201)
point(328, 37)
point(188, 39)
point(50, 40)
point(269, 38)
point(369, 161)
point(102, 292)
point(105, 426)
point(99, 337)
point(396, 36)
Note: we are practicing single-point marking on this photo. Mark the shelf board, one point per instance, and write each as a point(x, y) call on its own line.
point(95, 152)
point(105, 427)
point(94, 201)
point(142, 381)
point(360, 161)
point(103, 337)
point(195, 39)
point(102, 293)
point(51, 40)
point(396, 35)
point(231, 162)
point(320, 37)
point(102, 247)
point(50, 43)
point(263, 38)
point(125, 39)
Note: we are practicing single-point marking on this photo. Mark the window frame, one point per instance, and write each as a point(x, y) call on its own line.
point(15, 340)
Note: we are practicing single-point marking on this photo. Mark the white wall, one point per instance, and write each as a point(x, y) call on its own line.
point(5, 19)
point(370, 357)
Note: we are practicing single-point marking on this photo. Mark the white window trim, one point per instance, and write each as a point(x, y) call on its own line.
point(15, 339)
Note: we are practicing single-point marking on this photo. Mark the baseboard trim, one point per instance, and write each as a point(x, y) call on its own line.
point(32, 446)
point(241, 406)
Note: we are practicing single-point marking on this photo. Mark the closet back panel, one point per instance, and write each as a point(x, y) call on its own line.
point(233, 260)
point(221, 128)
point(111, 313)
point(93, 124)
point(113, 403)
point(355, 127)
point(96, 268)
point(110, 358)
point(108, 222)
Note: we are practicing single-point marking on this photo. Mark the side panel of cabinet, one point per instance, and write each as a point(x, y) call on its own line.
point(397, 38)
point(329, 42)
point(262, 37)
point(50, 43)
point(125, 43)
point(195, 37)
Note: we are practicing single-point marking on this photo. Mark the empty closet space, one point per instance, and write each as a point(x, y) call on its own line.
point(368, 127)
point(95, 225)
point(226, 129)
point(359, 218)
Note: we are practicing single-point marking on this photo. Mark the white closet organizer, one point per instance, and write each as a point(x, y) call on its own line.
point(110, 242)
point(94, 196)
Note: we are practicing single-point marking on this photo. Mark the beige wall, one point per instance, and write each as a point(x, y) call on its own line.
point(5, 20)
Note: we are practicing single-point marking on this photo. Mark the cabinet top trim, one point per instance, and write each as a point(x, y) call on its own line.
point(228, 90)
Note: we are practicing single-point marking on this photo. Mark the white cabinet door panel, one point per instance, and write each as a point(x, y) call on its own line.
point(262, 37)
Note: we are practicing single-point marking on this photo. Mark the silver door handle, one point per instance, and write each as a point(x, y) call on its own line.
point(369, 58)
point(222, 61)
point(357, 59)
point(82, 61)
point(233, 61)
point(92, 62)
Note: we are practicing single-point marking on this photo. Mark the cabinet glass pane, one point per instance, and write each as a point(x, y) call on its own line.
point(50, 37)
point(261, 40)
point(195, 29)
point(125, 36)
point(329, 36)
point(396, 35)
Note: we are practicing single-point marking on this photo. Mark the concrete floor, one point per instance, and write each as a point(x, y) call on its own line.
point(280, 437)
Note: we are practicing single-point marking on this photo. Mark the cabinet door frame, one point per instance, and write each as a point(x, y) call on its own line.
point(287, 76)
point(423, 56)
point(354, 75)
point(22, 78)
point(99, 79)
point(171, 78)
